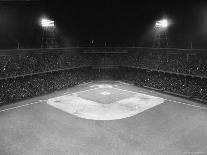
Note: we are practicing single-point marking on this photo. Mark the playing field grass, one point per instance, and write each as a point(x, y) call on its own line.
point(34, 127)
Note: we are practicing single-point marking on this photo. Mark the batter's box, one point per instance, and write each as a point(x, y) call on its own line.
point(105, 95)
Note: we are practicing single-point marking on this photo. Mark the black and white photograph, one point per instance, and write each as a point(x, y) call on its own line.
point(111, 77)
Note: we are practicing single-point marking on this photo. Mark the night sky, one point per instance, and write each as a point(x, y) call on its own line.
point(116, 22)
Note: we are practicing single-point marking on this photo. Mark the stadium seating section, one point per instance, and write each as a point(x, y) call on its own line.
point(26, 75)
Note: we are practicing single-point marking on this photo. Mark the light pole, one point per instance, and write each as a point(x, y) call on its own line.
point(48, 33)
point(160, 33)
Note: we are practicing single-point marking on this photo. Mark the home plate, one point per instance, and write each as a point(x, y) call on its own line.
point(105, 93)
point(88, 109)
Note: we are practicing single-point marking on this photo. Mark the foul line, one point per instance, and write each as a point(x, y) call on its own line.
point(191, 105)
point(19, 106)
point(125, 90)
point(78, 92)
point(7, 109)
point(178, 102)
point(145, 93)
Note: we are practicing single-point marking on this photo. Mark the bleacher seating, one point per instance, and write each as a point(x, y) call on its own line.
point(27, 75)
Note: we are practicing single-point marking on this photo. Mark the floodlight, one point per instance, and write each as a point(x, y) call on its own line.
point(47, 23)
point(160, 35)
point(162, 23)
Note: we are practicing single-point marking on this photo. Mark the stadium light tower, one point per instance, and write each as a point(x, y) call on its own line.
point(48, 33)
point(160, 33)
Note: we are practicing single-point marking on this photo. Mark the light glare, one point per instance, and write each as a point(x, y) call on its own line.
point(47, 23)
point(162, 23)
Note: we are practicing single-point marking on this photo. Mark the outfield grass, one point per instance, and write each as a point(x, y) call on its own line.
point(176, 126)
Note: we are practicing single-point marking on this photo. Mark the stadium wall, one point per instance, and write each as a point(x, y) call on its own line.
point(103, 50)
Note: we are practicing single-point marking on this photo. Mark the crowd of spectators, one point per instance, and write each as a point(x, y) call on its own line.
point(182, 63)
point(23, 64)
point(47, 72)
point(16, 89)
point(192, 87)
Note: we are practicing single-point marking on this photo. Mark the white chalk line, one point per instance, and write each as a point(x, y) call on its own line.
point(19, 106)
point(125, 90)
point(7, 109)
point(99, 88)
point(196, 106)
point(145, 93)
point(191, 105)
point(178, 102)
point(80, 91)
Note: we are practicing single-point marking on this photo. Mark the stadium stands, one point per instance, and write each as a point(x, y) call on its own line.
point(16, 89)
point(24, 64)
point(27, 75)
point(193, 64)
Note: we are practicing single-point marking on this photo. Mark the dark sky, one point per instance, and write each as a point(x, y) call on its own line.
point(108, 20)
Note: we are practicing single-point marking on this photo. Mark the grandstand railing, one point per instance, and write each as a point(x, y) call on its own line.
point(105, 49)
